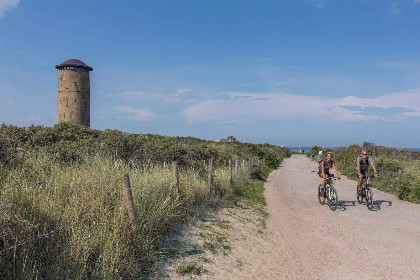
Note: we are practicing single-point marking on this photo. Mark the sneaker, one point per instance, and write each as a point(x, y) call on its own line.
point(359, 192)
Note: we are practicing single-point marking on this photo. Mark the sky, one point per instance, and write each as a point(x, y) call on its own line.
point(302, 72)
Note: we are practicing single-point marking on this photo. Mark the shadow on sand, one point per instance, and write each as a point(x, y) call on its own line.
point(378, 203)
point(342, 204)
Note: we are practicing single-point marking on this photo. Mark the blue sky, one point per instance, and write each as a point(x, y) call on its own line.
point(291, 73)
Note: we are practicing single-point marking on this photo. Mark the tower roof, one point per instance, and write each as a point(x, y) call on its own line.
point(73, 63)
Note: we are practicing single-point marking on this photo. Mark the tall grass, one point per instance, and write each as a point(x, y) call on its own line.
point(95, 240)
point(99, 240)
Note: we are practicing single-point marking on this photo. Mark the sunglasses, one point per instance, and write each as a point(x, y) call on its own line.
point(364, 154)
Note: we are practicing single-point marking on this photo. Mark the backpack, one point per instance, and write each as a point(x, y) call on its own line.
point(325, 164)
point(363, 164)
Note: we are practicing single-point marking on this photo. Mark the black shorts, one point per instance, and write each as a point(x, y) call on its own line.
point(365, 173)
point(326, 171)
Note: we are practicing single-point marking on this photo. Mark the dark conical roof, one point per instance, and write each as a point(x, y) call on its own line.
point(75, 63)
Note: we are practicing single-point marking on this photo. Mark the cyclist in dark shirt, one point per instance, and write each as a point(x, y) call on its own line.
point(362, 169)
point(326, 164)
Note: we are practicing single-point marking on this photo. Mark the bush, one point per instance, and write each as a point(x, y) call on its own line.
point(387, 164)
point(259, 172)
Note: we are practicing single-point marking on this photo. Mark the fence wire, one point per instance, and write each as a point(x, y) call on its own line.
point(56, 230)
point(43, 186)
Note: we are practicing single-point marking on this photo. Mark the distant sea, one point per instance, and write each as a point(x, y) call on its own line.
point(296, 149)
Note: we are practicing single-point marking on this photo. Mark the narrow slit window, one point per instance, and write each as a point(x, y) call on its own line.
point(67, 103)
point(64, 115)
point(83, 115)
point(85, 104)
point(71, 115)
point(75, 84)
point(75, 100)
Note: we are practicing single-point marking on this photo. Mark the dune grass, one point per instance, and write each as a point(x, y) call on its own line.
point(94, 239)
point(97, 241)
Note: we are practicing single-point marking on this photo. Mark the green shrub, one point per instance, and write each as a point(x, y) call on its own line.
point(387, 164)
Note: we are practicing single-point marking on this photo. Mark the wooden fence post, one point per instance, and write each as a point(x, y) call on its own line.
point(243, 165)
point(230, 173)
point(250, 166)
point(130, 203)
point(210, 175)
point(236, 165)
point(176, 177)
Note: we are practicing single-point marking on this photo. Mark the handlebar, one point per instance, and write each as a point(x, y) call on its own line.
point(328, 177)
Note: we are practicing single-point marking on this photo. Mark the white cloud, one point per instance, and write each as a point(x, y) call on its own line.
point(243, 107)
point(172, 96)
point(7, 5)
point(184, 90)
point(138, 113)
point(394, 9)
point(319, 3)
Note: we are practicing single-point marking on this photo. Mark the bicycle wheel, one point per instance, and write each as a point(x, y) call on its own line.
point(333, 199)
point(369, 199)
point(360, 196)
point(321, 198)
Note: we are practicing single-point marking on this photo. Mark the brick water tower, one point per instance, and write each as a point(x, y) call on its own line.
point(73, 97)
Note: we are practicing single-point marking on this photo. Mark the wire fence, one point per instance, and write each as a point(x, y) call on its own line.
point(128, 194)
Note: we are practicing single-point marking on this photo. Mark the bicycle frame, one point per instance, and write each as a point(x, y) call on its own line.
point(329, 193)
point(328, 185)
point(366, 193)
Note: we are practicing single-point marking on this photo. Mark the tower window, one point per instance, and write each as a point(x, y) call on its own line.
point(75, 84)
point(64, 115)
point(71, 115)
point(67, 103)
point(75, 100)
point(61, 78)
point(85, 104)
point(83, 115)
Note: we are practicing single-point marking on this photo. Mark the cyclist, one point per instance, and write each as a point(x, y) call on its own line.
point(326, 164)
point(362, 169)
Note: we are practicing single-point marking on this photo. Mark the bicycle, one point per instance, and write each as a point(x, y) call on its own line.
point(330, 193)
point(365, 193)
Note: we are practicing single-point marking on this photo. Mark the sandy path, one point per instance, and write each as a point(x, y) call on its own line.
point(306, 240)
point(350, 243)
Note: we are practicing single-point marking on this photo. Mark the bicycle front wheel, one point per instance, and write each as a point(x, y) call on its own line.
point(321, 198)
point(333, 199)
point(359, 196)
point(369, 199)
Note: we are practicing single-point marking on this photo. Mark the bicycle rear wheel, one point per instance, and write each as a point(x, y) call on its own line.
point(321, 198)
point(333, 199)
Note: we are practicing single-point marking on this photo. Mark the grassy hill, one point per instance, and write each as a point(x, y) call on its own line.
point(71, 212)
